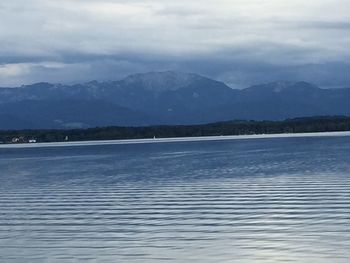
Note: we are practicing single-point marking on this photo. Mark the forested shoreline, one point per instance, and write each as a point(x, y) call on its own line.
point(237, 127)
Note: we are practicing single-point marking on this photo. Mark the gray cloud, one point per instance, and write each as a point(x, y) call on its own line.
point(241, 42)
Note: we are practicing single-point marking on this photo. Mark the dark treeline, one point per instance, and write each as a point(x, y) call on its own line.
point(299, 125)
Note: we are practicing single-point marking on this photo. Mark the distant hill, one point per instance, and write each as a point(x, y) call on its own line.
point(158, 98)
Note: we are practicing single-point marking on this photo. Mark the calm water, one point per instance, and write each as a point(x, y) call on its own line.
point(273, 200)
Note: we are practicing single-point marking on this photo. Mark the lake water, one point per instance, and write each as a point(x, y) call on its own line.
point(257, 200)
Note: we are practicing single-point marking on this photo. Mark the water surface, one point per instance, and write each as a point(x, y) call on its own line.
point(268, 200)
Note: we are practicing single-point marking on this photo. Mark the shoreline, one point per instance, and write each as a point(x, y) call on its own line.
point(172, 140)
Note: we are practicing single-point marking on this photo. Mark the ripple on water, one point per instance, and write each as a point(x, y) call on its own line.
point(267, 201)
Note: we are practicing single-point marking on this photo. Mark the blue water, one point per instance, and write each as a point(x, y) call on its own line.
point(264, 200)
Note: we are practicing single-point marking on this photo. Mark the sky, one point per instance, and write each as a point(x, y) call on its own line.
point(240, 42)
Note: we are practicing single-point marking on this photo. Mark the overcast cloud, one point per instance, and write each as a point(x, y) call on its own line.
point(241, 42)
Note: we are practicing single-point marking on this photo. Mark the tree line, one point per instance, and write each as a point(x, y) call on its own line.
point(236, 127)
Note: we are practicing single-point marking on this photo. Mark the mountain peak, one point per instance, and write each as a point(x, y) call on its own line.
point(280, 86)
point(160, 81)
point(164, 98)
point(39, 85)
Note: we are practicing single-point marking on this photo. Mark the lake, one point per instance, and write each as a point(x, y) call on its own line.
point(251, 200)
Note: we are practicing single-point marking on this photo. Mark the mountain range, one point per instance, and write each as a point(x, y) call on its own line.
point(162, 98)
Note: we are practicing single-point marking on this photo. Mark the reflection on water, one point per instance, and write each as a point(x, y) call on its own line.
point(277, 200)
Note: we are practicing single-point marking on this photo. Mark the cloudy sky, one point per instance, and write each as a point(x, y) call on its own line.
point(241, 42)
